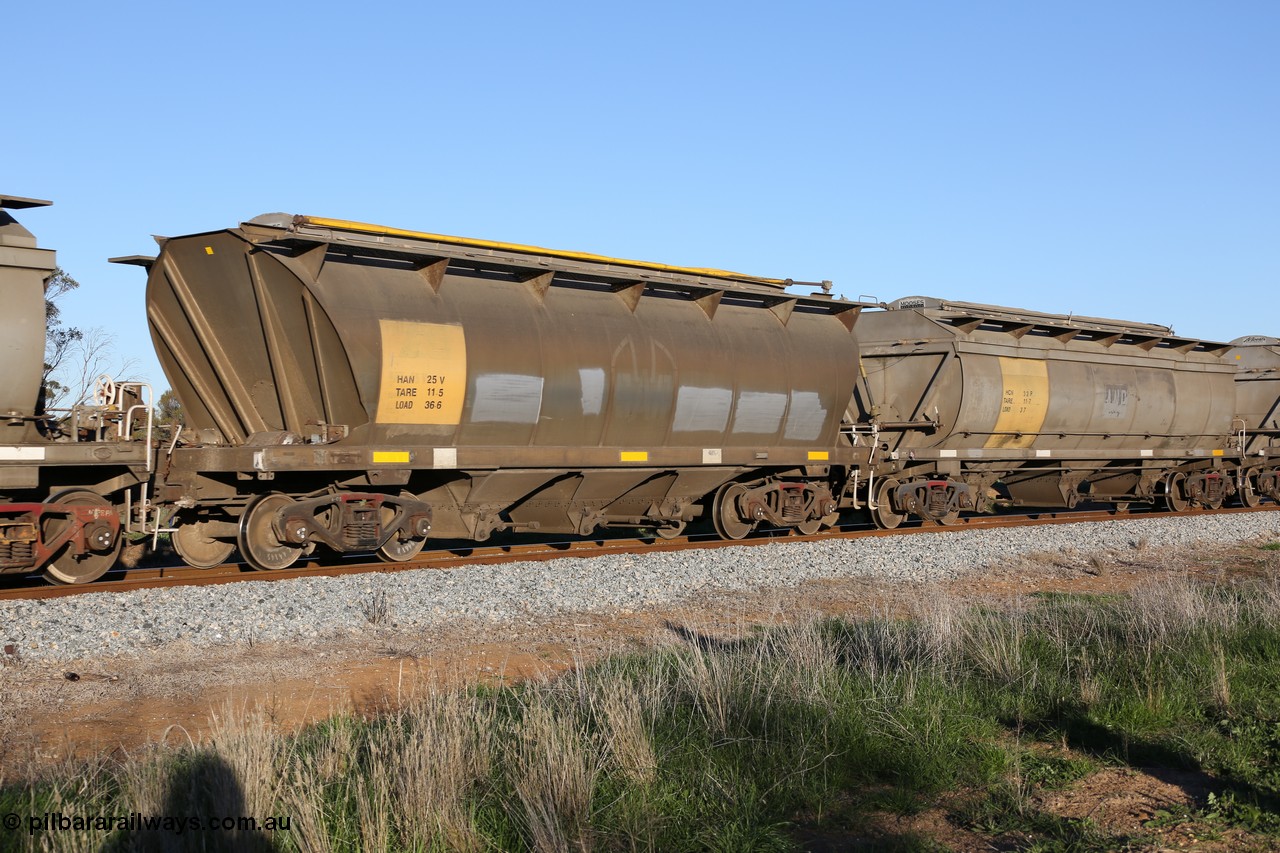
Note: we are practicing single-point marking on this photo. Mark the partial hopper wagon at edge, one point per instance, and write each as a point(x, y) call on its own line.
point(979, 406)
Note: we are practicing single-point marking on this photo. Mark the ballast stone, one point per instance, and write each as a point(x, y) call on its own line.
point(135, 623)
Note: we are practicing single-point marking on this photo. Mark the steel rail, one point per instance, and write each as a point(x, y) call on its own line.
point(477, 555)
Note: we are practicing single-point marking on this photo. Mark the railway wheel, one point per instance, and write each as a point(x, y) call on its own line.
point(724, 512)
point(670, 532)
point(1248, 495)
point(1175, 496)
point(68, 568)
point(810, 527)
point(258, 542)
point(883, 515)
point(195, 548)
point(397, 549)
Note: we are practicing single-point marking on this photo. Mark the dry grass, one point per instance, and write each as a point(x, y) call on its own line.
point(253, 752)
point(627, 712)
point(309, 828)
point(440, 748)
point(556, 763)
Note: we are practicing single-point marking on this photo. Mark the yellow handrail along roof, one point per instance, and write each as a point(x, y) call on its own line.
point(382, 230)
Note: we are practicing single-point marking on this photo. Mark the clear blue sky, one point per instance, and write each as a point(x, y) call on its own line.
point(1110, 158)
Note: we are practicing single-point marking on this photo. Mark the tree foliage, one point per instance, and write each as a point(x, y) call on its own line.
point(169, 410)
point(60, 340)
point(59, 284)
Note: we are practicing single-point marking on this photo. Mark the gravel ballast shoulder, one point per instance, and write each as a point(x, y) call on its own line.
point(305, 609)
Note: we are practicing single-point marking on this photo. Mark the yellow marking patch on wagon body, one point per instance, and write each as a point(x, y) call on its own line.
point(424, 373)
point(1024, 402)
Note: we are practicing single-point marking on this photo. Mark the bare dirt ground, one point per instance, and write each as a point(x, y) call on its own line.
point(96, 708)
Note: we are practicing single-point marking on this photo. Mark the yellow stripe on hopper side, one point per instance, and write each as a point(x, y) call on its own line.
point(634, 456)
point(390, 456)
point(819, 456)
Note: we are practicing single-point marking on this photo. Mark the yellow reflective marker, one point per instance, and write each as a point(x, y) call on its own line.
point(208, 250)
point(819, 456)
point(390, 456)
point(634, 456)
point(1217, 453)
